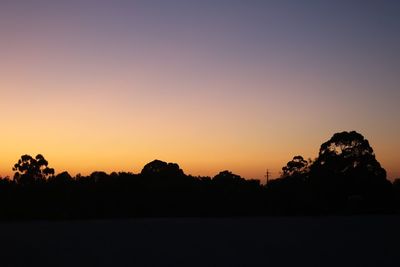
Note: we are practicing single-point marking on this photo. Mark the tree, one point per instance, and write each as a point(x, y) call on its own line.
point(227, 176)
point(347, 164)
point(349, 152)
point(30, 170)
point(61, 178)
point(158, 168)
point(298, 165)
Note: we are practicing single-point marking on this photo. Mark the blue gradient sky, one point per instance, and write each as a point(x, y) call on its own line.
point(212, 85)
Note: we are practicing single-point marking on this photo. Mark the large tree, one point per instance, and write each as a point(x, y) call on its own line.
point(350, 163)
point(29, 170)
point(161, 169)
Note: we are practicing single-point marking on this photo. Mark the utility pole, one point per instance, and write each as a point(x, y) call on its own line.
point(267, 175)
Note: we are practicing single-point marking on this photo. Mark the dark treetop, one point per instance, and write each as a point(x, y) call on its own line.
point(345, 178)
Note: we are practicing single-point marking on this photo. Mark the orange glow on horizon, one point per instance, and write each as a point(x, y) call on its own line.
point(111, 88)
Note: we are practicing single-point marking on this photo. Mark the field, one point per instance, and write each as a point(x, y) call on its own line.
point(271, 241)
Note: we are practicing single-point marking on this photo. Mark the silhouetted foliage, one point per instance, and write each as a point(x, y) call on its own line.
point(348, 153)
point(29, 170)
point(158, 168)
point(61, 178)
point(227, 177)
point(290, 194)
point(296, 166)
point(346, 171)
point(346, 178)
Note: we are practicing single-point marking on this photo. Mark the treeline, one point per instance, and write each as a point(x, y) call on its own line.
point(346, 178)
point(161, 189)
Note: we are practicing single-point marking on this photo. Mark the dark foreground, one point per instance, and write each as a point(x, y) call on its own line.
point(275, 241)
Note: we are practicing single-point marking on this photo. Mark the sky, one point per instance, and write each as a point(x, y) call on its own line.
point(212, 85)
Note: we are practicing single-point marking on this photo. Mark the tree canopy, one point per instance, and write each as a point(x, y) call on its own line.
point(162, 169)
point(29, 170)
point(298, 165)
point(345, 177)
point(346, 167)
point(349, 152)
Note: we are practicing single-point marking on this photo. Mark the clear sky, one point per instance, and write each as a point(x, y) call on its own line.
point(211, 85)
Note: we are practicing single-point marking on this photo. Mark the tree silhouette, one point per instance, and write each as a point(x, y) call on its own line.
point(346, 178)
point(347, 167)
point(29, 170)
point(227, 176)
point(349, 153)
point(61, 178)
point(158, 168)
point(298, 165)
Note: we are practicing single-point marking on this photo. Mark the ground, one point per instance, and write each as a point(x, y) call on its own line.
point(270, 241)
